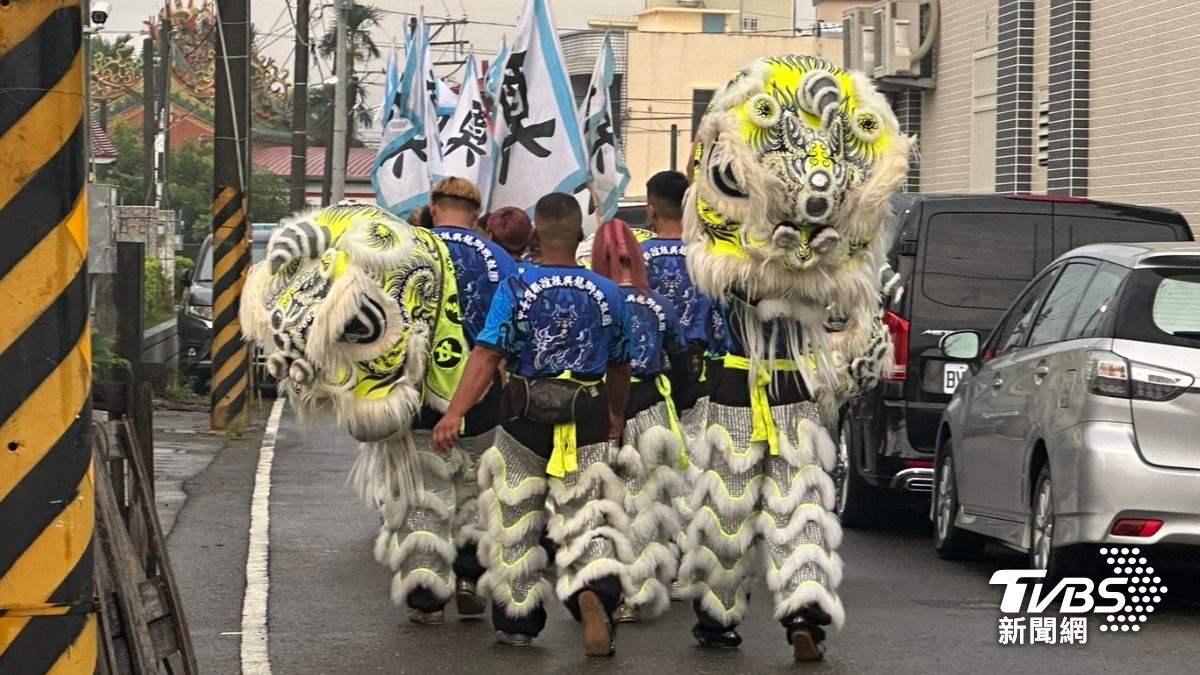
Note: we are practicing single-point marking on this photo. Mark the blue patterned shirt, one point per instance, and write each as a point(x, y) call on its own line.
point(479, 267)
point(655, 332)
point(547, 320)
point(667, 271)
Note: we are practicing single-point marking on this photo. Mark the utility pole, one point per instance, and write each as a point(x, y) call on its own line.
point(48, 616)
point(149, 123)
point(230, 357)
point(300, 108)
point(162, 143)
point(337, 189)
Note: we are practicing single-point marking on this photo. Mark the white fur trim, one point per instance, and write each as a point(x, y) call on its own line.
point(831, 527)
point(326, 346)
point(403, 584)
point(252, 310)
point(612, 487)
point(711, 484)
point(830, 563)
point(420, 541)
point(500, 595)
point(802, 481)
point(500, 575)
point(563, 528)
point(714, 607)
point(571, 552)
point(810, 593)
point(652, 598)
point(705, 528)
point(493, 472)
point(513, 533)
point(571, 583)
point(703, 564)
point(658, 521)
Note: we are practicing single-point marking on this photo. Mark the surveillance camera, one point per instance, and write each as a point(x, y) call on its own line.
point(99, 15)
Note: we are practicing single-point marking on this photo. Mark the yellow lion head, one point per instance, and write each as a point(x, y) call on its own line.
point(796, 160)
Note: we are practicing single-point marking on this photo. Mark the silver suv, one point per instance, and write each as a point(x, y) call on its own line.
point(1079, 420)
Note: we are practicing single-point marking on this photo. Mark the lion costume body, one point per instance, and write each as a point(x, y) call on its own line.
point(795, 163)
point(358, 312)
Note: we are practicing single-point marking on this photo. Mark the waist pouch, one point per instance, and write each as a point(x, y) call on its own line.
point(552, 401)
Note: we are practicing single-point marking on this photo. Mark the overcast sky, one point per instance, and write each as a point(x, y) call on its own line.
point(491, 19)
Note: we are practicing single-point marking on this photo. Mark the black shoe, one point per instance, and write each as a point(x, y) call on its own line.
point(712, 639)
point(599, 636)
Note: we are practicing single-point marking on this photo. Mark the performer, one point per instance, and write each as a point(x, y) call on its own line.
point(652, 452)
point(796, 162)
point(359, 312)
point(565, 333)
point(510, 228)
point(480, 266)
point(667, 271)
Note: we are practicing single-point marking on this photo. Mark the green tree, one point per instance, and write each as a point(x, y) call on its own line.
point(189, 183)
point(360, 19)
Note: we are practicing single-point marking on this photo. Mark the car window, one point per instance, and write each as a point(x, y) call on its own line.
point(1096, 303)
point(978, 260)
point(1110, 230)
point(1060, 305)
point(1162, 306)
point(1010, 334)
point(258, 253)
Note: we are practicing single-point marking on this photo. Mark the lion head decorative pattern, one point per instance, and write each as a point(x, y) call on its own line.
point(796, 161)
point(358, 313)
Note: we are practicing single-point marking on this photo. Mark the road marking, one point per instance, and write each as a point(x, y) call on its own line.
point(256, 657)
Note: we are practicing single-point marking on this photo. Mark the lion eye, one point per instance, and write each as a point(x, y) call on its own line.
point(725, 181)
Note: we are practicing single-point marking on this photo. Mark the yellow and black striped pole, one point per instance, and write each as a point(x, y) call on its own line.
point(231, 248)
point(47, 605)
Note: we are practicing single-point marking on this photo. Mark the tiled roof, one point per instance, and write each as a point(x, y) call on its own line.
point(278, 160)
point(102, 147)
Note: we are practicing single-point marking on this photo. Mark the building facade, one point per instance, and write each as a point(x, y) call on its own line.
point(776, 17)
point(1086, 98)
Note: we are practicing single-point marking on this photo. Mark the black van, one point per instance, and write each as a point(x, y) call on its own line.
point(962, 260)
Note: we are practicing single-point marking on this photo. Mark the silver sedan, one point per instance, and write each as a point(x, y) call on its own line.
point(1079, 423)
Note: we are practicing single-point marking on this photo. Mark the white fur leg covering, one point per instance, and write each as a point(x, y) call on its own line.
point(512, 513)
point(468, 524)
point(801, 534)
point(590, 523)
point(717, 565)
point(420, 548)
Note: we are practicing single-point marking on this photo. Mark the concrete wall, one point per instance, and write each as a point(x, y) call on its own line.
point(160, 344)
point(665, 69)
point(968, 26)
point(1144, 128)
point(771, 15)
point(155, 229)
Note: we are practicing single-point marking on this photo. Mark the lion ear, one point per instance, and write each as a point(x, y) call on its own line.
point(821, 95)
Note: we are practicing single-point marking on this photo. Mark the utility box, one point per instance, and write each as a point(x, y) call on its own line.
point(897, 36)
point(102, 229)
point(858, 40)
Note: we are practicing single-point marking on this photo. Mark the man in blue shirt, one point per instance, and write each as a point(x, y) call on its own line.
point(479, 266)
point(667, 270)
point(564, 333)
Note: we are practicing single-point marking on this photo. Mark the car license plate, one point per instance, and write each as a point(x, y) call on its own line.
point(952, 376)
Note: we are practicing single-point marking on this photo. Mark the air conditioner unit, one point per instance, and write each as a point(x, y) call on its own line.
point(897, 36)
point(858, 40)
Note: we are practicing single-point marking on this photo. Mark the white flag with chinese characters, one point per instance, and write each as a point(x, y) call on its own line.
point(539, 148)
point(466, 138)
point(410, 155)
point(606, 163)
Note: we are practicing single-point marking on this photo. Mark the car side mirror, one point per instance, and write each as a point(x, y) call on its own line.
point(185, 278)
point(962, 345)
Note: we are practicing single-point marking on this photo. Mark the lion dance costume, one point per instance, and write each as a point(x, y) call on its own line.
point(795, 164)
point(358, 311)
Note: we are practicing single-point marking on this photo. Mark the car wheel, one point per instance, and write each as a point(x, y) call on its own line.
point(951, 541)
point(1058, 561)
point(858, 503)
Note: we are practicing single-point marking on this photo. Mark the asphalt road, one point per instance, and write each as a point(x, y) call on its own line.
point(330, 612)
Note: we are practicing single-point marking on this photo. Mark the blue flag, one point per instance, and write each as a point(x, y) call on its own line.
point(606, 164)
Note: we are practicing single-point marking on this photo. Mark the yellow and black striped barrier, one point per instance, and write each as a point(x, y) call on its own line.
point(47, 604)
point(230, 356)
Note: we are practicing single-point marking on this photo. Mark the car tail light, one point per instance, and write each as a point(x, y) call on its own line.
point(918, 463)
point(898, 327)
point(1112, 375)
point(1136, 527)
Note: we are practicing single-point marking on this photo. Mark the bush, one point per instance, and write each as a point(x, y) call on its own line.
point(156, 300)
point(105, 362)
point(183, 264)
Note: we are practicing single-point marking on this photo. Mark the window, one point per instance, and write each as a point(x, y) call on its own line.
point(700, 101)
point(978, 260)
point(1161, 306)
point(983, 122)
point(712, 23)
point(1061, 303)
point(1111, 230)
point(749, 24)
point(1096, 303)
point(1010, 335)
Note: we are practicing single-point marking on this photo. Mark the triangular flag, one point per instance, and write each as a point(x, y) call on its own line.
point(495, 73)
point(540, 149)
point(606, 164)
point(466, 138)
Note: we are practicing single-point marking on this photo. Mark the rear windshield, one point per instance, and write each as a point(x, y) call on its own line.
point(258, 252)
point(1162, 306)
point(978, 260)
point(1109, 230)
